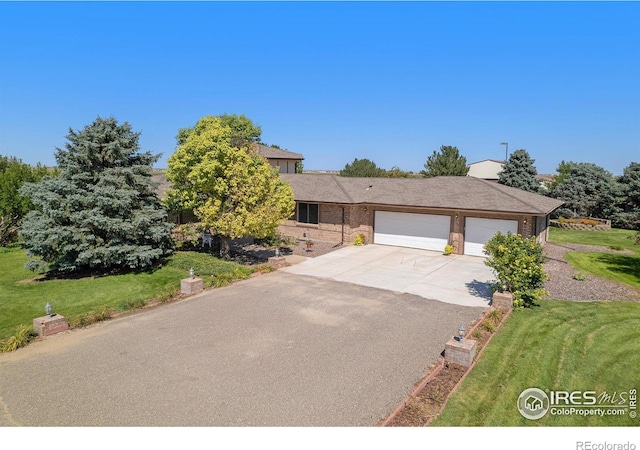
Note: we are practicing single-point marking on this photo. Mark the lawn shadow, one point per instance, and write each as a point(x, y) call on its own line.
point(624, 264)
point(480, 289)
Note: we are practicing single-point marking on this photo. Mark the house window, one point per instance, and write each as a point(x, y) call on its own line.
point(308, 213)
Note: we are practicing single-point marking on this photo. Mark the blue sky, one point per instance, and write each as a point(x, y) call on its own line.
point(334, 81)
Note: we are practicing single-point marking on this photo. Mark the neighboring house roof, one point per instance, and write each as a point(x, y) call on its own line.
point(548, 178)
point(466, 193)
point(485, 160)
point(487, 169)
point(163, 184)
point(277, 153)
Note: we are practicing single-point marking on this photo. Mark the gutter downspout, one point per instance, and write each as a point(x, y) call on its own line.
point(342, 234)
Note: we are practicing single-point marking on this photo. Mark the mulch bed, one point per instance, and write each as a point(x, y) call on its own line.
point(429, 402)
point(248, 253)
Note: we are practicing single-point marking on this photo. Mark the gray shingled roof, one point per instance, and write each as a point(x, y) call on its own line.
point(277, 153)
point(465, 193)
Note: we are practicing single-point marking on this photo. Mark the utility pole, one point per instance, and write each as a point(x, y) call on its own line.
point(506, 151)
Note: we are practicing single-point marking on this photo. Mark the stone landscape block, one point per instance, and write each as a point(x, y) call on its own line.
point(191, 286)
point(460, 352)
point(48, 325)
point(277, 263)
point(502, 300)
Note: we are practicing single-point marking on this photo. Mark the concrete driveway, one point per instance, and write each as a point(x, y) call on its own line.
point(279, 349)
point(457, 279)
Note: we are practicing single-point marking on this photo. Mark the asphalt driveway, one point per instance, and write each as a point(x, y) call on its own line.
point(279, 349)
point(457, 279)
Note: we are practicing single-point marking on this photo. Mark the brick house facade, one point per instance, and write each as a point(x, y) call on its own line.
point(347, 207)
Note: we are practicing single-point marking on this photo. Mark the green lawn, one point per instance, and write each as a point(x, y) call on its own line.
point(623, 268)
point(23, 295)
point(557, 346)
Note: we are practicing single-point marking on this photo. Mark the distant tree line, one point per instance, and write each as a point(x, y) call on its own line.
point(587, 189)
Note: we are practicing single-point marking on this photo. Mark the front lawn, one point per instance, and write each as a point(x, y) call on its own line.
point(613, 238)
point(23, 294)
point(619, 267)
point(558, 345)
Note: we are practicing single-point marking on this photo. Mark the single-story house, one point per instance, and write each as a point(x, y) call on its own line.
point(487, 169)
point(284, 160)
point(426, 213)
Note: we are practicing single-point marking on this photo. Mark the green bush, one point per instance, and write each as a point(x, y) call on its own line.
point(489, 326)
point(579, 276)
point(186, 236)
point(24, 335)
point(361, 239)
point(518, 265)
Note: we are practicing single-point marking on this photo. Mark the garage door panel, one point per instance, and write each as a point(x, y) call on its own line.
point(478, 231)
point(425, 231)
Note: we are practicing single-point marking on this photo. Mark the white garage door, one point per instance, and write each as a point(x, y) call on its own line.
point(478, 231)
point(426, 231)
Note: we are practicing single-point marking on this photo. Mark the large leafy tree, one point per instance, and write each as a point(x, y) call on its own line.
point(13, 205)
point(563, 171)
point(519, 172)
point(447, 162)
point(588, 191)
point(362, 168)
point(101, 212)
point(234, 192)
point(243, 130)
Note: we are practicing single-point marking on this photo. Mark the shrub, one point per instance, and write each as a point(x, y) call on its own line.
point(361, 239)
point(24, 335)
point(579, 276)
point(489, 326)
point(518, 265)
point(495, 315)
point(186, 236)
point(99, 315)
point(448, 249)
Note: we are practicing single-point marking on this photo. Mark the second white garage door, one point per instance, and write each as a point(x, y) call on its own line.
point(478, 231)
point(426, 231)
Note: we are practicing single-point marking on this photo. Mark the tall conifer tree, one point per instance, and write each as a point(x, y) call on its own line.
point(519, 172)
point(102, 211)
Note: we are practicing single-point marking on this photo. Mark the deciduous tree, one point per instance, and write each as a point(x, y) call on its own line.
point(446, 162)
point(101, 212)
point(234, 192)
point(244, 131)
point(362, 168)
point(13, 205)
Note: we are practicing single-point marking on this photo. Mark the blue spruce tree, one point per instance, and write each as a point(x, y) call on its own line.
point(101, 213)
